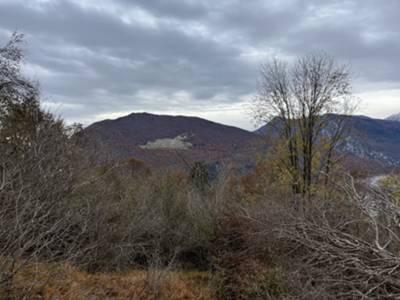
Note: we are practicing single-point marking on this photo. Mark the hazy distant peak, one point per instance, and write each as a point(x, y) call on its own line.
point(395, 117)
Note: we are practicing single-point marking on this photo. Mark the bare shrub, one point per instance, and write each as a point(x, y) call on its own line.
point(131, 217)
point(344, 247)
point(158, 271)
point(38, 218)
point(241, 264)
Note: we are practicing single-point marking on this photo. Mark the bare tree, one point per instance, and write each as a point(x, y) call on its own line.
point(38, 169)
point(14, 88)
point(299, 99)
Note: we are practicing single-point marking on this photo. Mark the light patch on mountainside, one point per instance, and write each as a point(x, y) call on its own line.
point(395, 117)
point(177, 143)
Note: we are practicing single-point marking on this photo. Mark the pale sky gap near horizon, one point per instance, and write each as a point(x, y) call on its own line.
point(98, 59)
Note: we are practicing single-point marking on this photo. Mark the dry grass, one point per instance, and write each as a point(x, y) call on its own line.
point(66, 282)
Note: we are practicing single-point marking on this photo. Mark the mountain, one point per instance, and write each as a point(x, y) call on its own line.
point(367, 139)
point(161, 140)
point(374, 139)
point(395, 117)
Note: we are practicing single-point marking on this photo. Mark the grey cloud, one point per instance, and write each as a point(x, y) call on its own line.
point(182, 9)
point(92, 60)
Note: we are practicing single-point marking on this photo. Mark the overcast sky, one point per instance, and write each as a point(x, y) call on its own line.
point(99, 59)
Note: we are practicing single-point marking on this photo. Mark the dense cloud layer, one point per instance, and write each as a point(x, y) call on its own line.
point(98, 59)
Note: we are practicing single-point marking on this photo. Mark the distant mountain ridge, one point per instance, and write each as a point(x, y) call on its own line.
point(163, 140)
point(366, 138)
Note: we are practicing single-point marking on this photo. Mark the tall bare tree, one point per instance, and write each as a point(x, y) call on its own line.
point(300, 99)
point(14, 88)
point(38, 158)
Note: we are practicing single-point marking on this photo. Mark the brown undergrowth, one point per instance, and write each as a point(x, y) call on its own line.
point(66, 282)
